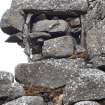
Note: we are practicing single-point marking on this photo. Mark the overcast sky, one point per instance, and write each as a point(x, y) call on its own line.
point(10, 54)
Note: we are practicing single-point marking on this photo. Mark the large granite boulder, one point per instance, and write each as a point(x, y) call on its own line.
point(85, 84)
point(12, 22)
point(58, 47)
point(51, 73)
point(71, 6)
point(27, 100)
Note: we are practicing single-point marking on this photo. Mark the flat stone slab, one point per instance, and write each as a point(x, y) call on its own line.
point(58, 47)
point(51, 26)
point(85, 84)
point(53, 5)
point(27, 100)
point(49, 73)
point(12, 22)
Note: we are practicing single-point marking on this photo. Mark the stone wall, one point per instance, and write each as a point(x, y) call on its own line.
point(64, 43)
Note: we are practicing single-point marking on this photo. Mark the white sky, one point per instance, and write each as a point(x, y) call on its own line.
point(10, 54)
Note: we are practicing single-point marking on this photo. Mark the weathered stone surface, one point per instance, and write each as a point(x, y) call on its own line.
point(96, 13)
point(47, 73)
point(9, 92)
point(12, 22)
point(27, 100)
point(52, 26)
point(87, 103)
point(77, 6)
point(16, 91)
point(58, 47)
point(6, 78)
point(85, 84)
point(94, 22)
point(96, 41)
point(36, 35)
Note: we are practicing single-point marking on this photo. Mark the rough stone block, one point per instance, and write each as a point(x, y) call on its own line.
point(12, 22)
point(51, 26)
point(10, 92)
point(58, 47)
point(72, 6)
point(49, 73)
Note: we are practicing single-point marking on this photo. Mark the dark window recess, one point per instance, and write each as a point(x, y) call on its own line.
point(102, 67)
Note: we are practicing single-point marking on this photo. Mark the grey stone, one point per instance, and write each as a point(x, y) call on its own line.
point(12, 22)
point(15, 38)
point(58, 47)
point(10, 92)
point(36, 35)
point(95, 41)
point(16, 91)
point(76, 6)
point(94, 22)
point(87, 103)
point(80, 49)
point(37, 57)
point(85, 84)
point(6, 78)
point(96, 13)
point(47, 73)
point(27, 100)
point(51, 26)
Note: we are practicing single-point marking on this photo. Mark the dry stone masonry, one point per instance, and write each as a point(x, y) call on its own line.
point(64, 41)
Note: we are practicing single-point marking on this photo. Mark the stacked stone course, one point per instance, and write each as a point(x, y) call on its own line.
point(64, 41)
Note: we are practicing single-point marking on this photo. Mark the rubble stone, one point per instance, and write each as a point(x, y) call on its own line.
point(52, 26)
point(6, 78)
point(37, 57)
point(10, 92)
point(58, 47)
point(12, 22)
